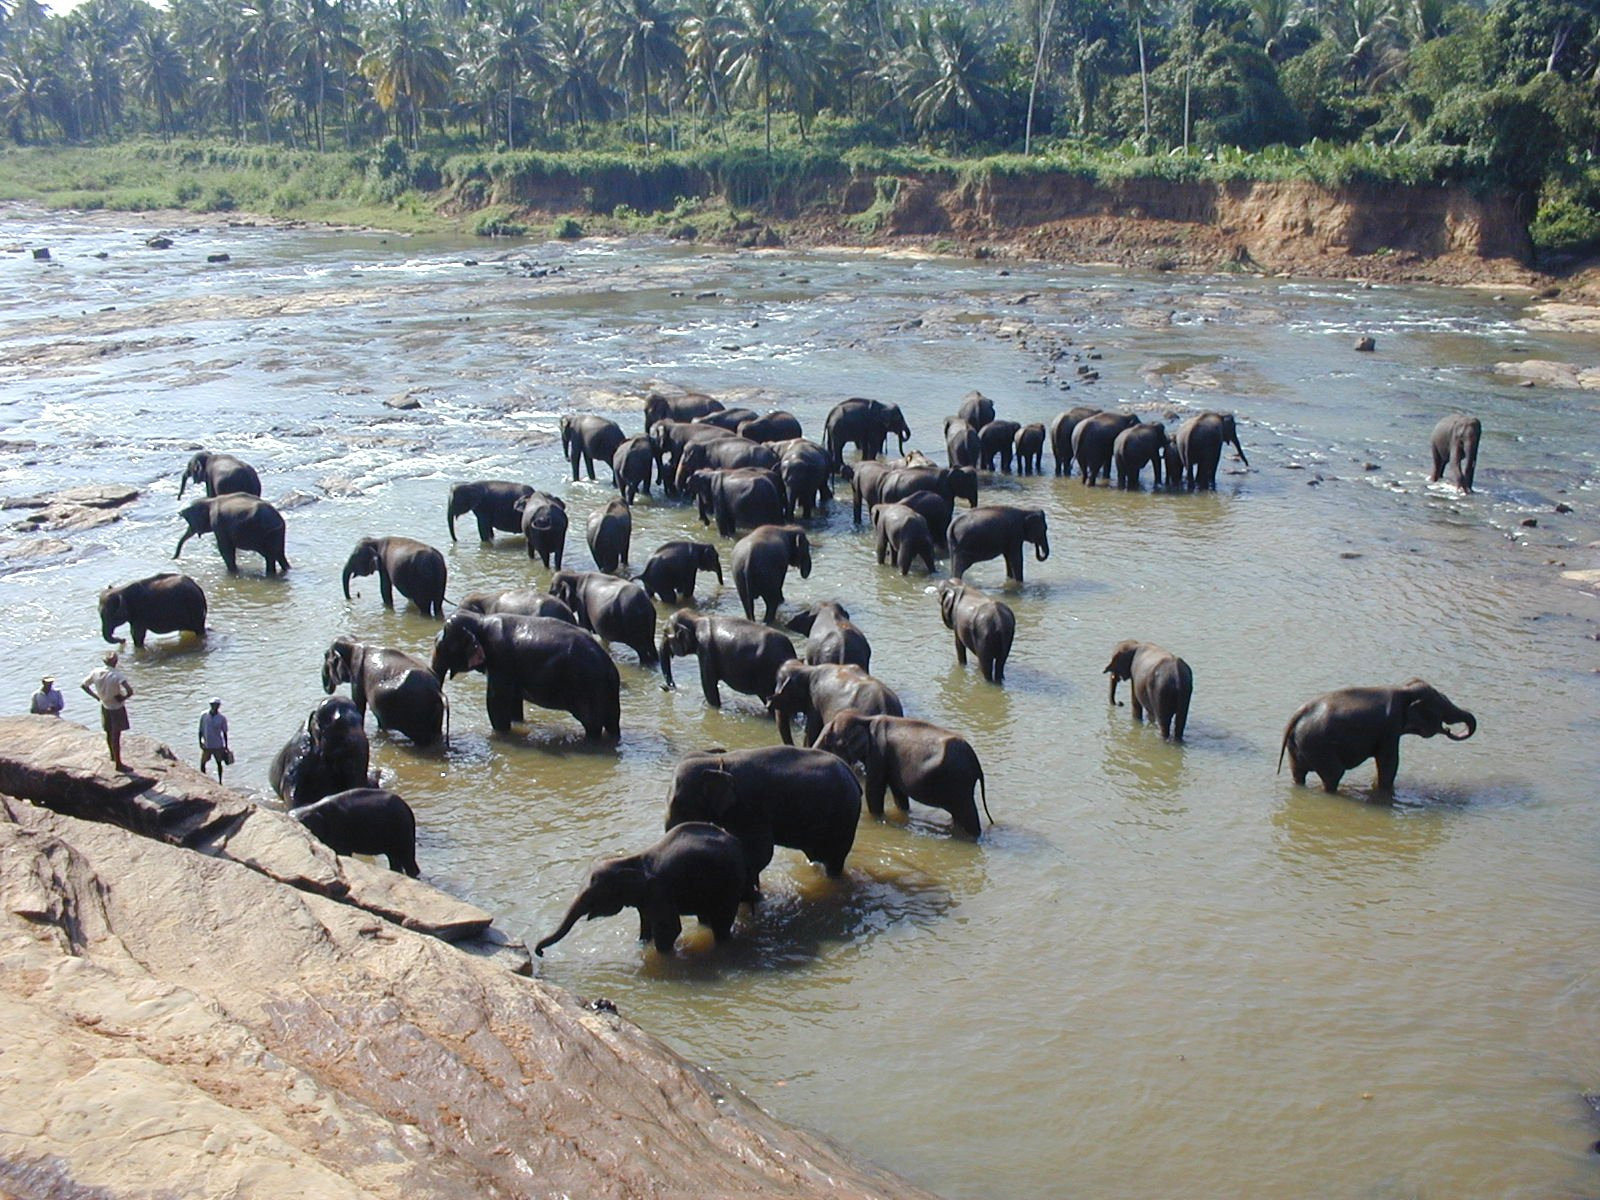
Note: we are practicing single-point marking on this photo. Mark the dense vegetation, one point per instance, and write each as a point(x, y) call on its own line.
point(417, 90)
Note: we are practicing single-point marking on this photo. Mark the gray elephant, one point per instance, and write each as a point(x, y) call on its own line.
point(832, 636)
point(744, 655)
point(221, 475)
point(329, 754)
point(1342, 729)
point(867, 423)
point(609, 531)
point(775, 426)
point(953, 483)
point(903, 536)
point(1136, 447)
point(588, 439)
point(744, 497)
point(661, 407)
point(1455, 442)
point(1200, 440)
point(936, 510)
point(618, 610)
point(547, 662)
point(820, 693)
point(630, 467)
point(806, 475)
point(1094, 441)
point(997, 438)
point(762, 558)
point(415, 569)
point(982, 626)
point(403, 692)
point(544, 525)
point(962, 447)
point(996, 531)
point(727, 418)
point(723, 454)
point(493, 502)
point(976, 409)
point(670, 573)
point(239, 522)
point(365, 821)
point(517, 602)
point(1029, 443)
point(166, 603)
point(669, 439)
point(696, 870)
point(1062, 426)
point(912, 759)
point(1162, 685)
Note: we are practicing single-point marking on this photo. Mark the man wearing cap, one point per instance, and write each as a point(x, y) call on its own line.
point(47, 702)
point(111, 688)
point(214, 738)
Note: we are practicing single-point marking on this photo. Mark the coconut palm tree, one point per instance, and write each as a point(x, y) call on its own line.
point(159, 72)
point(320, 49)
point(775, 45)
point(575, 91)
point(30, 86)
point(707, 25)
point(408, 67)
point(638, 47)
point(953, 80)
point(512, 52)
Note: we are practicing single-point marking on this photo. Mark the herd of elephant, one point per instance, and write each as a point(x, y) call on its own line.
point(726, 810)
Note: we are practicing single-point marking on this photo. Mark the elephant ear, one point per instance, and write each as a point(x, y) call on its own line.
point(722, 795)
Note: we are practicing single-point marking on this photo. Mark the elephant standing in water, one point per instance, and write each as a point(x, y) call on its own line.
point(167, 603)
point(1455, 442)
point(619, 610)
point(610, 532)
point(1200, 440)
point(762, 558)
point(819, 693)
point(544, 524)
point(517, 602)
point(744, 655)
point(403, 692)
point(832, 637)
point(1030, 449)
point(239, 522)
point(982, 625)
point(1136, 446)
point(1342, 729)
point(1162, 684)
point(492, 501)
point(365, 821)
point(221, 474)
point(995, 531)
point(1094, 441)
point(867, 423)
point(912, 759)
point(331, 754)
point(584, 439)
point(1062, 426)
point(671, 571)
point(415, 569)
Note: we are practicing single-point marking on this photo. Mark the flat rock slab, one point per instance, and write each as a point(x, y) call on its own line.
point(73, 509)
point(1544, 373)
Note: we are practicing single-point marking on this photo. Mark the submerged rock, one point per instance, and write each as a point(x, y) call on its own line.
point(72, 509)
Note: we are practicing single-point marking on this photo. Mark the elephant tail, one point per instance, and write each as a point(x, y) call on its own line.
point(1283, 746)
point(983, 791)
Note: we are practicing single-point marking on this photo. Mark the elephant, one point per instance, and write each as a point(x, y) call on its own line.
point(610, 530)
point(1135, 446)
point(806, 475)
point(403, 692)
point(492, 501)
point(993, 531)
point(660, 407)
point(517, 602)
point(1162, 684)
point(781, 796)
point(669, 439)
point(1455, 441)
point(222, 475)
point(997, 438)
point(867, 423)
point(776, 426)
point(723, 454)
point(670, 573)
point(1200, 440)
point(1061, 427)
point(727, 418)
point(618, 610)
point(331, 754)
point(1174, 464)
point(1029, 444)
point(415, 569)
point(1094, 441)
point(760, 561)
point(820, 693)
point(983, 625)
point(545, 661)
point(240, 522)
point(630, 467)
point(903, 535)
point(866, 482)
point(365, 821)
point(696, 869)
point(962, 447)
point(166, 603)
point(915, 760)
point(832, 637)
point(936, 510)
point(1342, 729)
point(744, 496)
point(744, 655)
point(977, 410)
point(587, 439)
point(953, 483)
point(544, 525)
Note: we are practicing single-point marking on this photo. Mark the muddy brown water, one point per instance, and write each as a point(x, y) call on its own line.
point(1165, 970)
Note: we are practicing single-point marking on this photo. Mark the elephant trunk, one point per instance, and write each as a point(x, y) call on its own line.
point(1464, 718)
point(344, 579)
point(179, 548)
point(183, 482)
point(450, 512)
point(579, 910)
point(716, 565)
point(1041, 548)
point(666, 665)
point(1112, 695)
point(1240, 449)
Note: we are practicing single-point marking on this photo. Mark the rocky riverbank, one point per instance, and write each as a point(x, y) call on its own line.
point(197, 999)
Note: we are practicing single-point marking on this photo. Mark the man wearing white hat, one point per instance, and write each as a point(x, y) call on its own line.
point(47, 702)
point(214, 738)
point(111, 688)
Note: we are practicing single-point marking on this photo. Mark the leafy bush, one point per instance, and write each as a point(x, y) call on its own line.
point(566, 229)
point(497, 222)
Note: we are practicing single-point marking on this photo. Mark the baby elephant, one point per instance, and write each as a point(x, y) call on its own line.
point(1162, 684)
point(914, 760)
point(365, 821)
point(1342, 729)
point(983, 625)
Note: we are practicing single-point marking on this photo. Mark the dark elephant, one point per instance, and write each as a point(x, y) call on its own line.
point(776, 426)
point(1174, 464)
point(866, 482)
point(517, 602)
point(539, 659)
point(415, 569)
point(976, 409)
point(167, 603)
point(586, 440)
point(221, 474)
point(618, 610)
point(1061, 428)
point(1162, 684)
point(982, 625)
point(669, 439)
point(240, 522)
point(492, 501)
point(744, 655)
point(1094, 441)
point(1342, 729)
point(1200, 440)
point(727, 418)
point(936, 510)
point(806, 475)
point(630, 467)
point(953, 483)
point(1029, 443)
point(867, 423)
point(762, 558)
point(995, 531)
point(1455, 442)
point(670, 573)
point(744, 497)
point(1137, 446)
point(723, 454)
point(365, 821)
point(697, 869)
point(903, 536)
point(997, 438)
point(544, 525)
point(610, 531)
point(915, 760)
point(962, 447)
point(661, 407)
point(331, 754)
point(820, 693)
point(403, 692)
point(832, 636)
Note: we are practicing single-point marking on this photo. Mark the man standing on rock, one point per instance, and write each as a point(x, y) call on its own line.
point(111, 688)
point(47, 702)
point(214, 738)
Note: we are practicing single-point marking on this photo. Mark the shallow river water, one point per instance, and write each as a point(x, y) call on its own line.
point(1165, 970)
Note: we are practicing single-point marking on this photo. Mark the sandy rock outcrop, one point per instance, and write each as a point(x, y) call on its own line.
point(72, 509)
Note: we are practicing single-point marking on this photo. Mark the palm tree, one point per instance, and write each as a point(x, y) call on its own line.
point(513, 51)
point(159, 72)
point(30, 88)
point(408, 68)
point(953, 80)
point(638, 45)
point(262, 50)
point(775, 43)
point(222, 33)
point(576, 92)
point(320, 45)
point(705, 31)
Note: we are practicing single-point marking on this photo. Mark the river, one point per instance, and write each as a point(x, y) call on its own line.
point(1165, 970)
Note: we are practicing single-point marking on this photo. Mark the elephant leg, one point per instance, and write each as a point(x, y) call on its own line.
point(901, 800)
point(230, 554)
point(485, 527)
point(386, 589)
point(1438, 466)
point(720, 920)
point(1164, 719)
point(667, 929)
point(588, 465)
point(773, 601)
point(708, 680)
point(137, 632)
point(877, 781)
point(1138, 708)
point(813, 725)
point(746, 600)
point(1014, 563)
point(958, 563)
point(961, 651)
point(883, 545)
point(1388, 757)
point(503, 700)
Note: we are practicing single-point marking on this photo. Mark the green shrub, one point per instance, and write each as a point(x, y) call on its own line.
point(498, 223)
point(566, 229)
point(1565, 225)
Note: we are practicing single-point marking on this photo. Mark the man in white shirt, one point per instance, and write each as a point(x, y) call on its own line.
point(214, 738)
point(47, 702)
point(111, 688)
